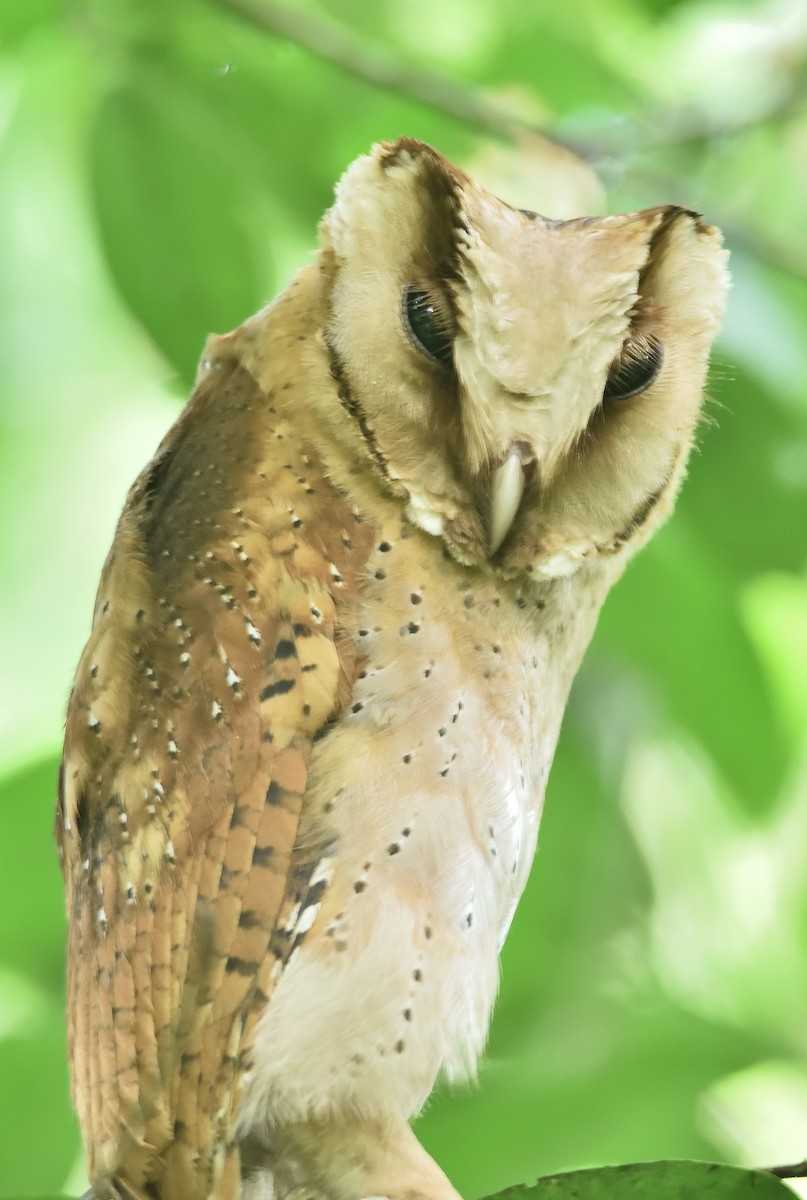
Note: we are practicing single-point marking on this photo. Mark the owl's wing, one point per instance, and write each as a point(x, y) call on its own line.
point(217, 653)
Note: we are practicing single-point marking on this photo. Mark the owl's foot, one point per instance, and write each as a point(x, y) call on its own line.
point(344, 1160)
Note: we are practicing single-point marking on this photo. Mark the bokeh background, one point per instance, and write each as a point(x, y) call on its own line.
point(163, 164)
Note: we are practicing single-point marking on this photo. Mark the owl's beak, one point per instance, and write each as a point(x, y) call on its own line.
point(507, 489)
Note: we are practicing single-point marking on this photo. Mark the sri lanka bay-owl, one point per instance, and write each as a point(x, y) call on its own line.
point(308, 741)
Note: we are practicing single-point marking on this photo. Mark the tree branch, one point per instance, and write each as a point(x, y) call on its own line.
point(339, 47)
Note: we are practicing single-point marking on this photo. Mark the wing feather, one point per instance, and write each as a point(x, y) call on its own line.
point(214, 659)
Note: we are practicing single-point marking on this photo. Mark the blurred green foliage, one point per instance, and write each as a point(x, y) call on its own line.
point(163, 164)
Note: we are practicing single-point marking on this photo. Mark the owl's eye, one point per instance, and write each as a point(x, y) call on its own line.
point(637, 365)
point(428, 324)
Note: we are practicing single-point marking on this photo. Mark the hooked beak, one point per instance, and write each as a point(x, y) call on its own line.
point(507, 490)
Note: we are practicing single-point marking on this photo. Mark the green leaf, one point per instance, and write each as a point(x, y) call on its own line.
point(655, 1181)
point(171, 192)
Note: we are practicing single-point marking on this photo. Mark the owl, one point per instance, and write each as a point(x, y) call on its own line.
point(308, 739)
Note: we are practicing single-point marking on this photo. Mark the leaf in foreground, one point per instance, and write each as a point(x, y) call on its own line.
point(655, 1181)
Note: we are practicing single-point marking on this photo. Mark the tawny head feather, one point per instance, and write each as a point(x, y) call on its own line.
point(531, 386)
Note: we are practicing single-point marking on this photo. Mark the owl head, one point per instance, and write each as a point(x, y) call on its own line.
point(529, 387)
